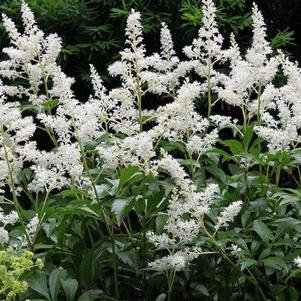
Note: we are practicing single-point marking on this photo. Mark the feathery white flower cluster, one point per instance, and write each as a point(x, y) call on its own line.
point(133, 62)
point(56, 169)
point(120, 111)
point(15, 134)
point(252, 73)
point(250, 86)
point(6, 219)
point(177, 261)
point(228, 214)
point(167, 68)
point(32, 226)
point(199, 145)
point(206, 49)
point(185, 213)
point(158, 73)
point(175, 119)
point(282, 131)
point(31, 56)
point(134, 150)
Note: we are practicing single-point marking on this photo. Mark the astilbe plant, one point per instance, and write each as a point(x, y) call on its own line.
point(128, 167)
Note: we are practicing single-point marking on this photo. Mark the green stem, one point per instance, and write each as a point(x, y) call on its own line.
point(51, 136)
point(245, 122)
point(139, 103)
point(299, 174)
point(278, 174)
point(251, 278)
point(108, 225)
point(130, 235)
point(14, 193)
point(246, 174)
point(86, 167)
point(144, 253)
point(170, 280)
point(41, 215)
point(138, 89)
point(209, 89)
point(258, 105)
point(115, 269)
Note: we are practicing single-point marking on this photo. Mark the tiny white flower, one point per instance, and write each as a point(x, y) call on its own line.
point(297, 262)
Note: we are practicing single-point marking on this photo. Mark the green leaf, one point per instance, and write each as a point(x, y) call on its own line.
point(241, 243)
point(129, 175)
point(87, 267)
point(217, 172)
point(293, 293)
point(262, 230)
point(202, 289)
point(161, 297)
point(275, 262)
point(73, 208)
point(54, 282)
point(168, 146)
point(90, 295)
point(121, 208)
point(248, 136)
point(160, 222)
point(286, 225)
point(38, 283)
point(189, 162)
point(234, 145)
point(282, 38)
point(286, 242)
point(246, 263)
point(218, 151)
point(265, 253)
point(245, 217)
point(70, 287)
point(50, 104)
point(129, 258)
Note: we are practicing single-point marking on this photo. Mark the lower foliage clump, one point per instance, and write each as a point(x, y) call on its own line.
point(122, 202)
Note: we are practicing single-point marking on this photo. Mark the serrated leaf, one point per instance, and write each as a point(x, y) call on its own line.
point(286, 225)
point(246, 263)
point(129, 174)
point(234, 145)
point(262, 230)
point(217, 172)
point(218, 151)
point(275, 262)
